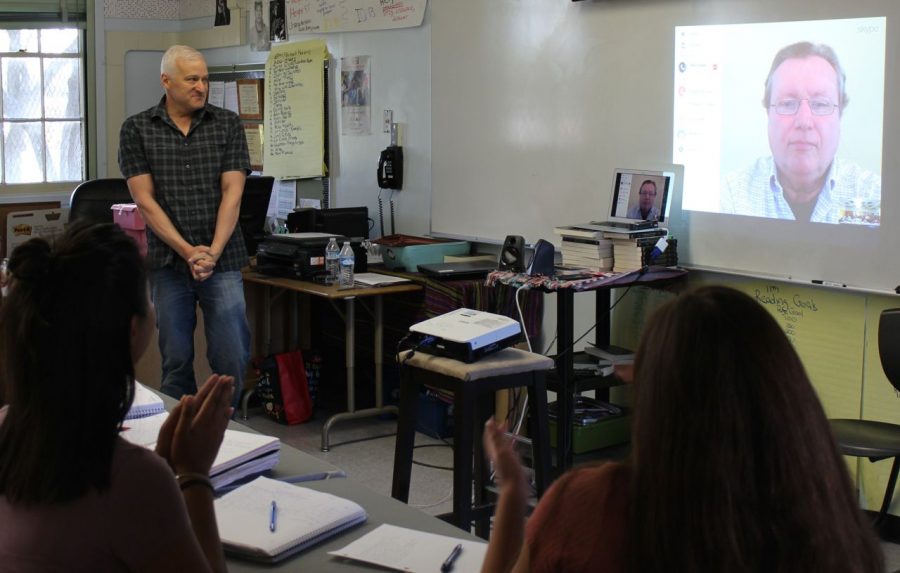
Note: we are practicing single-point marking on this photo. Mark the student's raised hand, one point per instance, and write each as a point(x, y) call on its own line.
point(500, 450)
point(191, 437)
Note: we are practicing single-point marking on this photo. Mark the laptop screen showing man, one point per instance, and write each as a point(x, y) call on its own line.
point(639, 200)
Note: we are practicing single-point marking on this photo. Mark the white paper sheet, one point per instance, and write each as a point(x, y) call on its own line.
point(404, 549)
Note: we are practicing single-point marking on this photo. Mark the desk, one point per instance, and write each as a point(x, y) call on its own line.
point(565, 311)
point(333, 294)
point(381, 509)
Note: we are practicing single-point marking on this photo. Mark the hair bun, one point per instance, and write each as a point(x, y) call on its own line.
point(31, 261)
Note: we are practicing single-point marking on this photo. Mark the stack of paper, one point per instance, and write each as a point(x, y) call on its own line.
point(241, 454)
point(249, 525)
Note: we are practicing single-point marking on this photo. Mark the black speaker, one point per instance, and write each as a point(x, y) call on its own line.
point(542, 259)
point(512, 255)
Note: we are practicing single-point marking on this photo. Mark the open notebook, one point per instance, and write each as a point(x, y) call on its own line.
point(303, 518)
point(241, 454)
point(639, 201)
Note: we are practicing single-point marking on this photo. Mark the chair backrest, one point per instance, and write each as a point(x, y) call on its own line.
point(889, 344)
point(92, 199)
point(254, 205)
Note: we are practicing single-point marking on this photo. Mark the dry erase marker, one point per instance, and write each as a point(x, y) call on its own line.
point(448, 562)
point(828, 283)
point(272, 515)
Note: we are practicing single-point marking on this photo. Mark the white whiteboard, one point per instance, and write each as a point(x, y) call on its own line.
point(535, 103)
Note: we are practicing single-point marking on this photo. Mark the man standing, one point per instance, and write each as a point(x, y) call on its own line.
point(185, 162)
point(645, 209)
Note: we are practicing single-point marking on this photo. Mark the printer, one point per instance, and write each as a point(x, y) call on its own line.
point(300, 255)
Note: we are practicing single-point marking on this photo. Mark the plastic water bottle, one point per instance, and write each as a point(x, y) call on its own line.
point(347, 260)
point(332, 261)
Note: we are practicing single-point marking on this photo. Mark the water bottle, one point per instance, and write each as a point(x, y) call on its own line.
point(346, 260)
point(332, 261)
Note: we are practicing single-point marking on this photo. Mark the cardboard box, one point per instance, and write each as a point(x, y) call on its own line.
point(24, 225)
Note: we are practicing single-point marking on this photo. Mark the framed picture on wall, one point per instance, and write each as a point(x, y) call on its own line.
point(250, 98)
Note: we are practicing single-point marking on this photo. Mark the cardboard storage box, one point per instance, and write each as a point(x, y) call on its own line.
point(127, 216)
point(24, 225)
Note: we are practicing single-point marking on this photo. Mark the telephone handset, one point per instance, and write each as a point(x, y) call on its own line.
point(390, 168)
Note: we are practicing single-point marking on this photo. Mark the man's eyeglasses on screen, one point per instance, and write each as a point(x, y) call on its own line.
point(817, 106)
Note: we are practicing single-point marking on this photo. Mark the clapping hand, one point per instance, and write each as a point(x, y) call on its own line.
point(500, 449)
point(190, 438)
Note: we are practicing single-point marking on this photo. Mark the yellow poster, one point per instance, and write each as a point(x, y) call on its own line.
point(294, 110)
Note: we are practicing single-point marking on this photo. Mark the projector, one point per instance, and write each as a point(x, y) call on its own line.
point(465, 334)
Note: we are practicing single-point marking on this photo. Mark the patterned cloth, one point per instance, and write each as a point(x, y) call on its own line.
point(756, 192)
point(186, 172)
point(599, 280)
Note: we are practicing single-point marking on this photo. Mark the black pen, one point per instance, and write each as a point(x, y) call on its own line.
point(448, 562)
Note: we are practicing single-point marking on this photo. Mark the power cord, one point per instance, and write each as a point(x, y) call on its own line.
point(381, 212)
point(392, 211)
point(588, 331)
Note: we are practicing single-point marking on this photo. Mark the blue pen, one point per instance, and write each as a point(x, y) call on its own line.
point(272, 517)
point(448, 563)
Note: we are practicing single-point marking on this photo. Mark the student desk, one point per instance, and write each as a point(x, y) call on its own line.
point(380, 508)
point(565, 310)
point(333, 295)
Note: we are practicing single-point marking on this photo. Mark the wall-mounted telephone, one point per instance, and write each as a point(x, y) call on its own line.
point(390, 168)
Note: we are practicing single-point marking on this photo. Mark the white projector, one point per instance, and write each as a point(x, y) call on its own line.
point(465, 334)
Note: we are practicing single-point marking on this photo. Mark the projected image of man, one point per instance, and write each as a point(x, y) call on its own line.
point(645, 209)
point(804, 179)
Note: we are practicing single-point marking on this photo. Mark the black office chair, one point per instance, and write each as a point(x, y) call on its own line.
point(93, 199)
point(869, 438)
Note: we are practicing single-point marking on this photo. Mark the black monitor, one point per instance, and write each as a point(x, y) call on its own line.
point(254, 206)
point(351, 222)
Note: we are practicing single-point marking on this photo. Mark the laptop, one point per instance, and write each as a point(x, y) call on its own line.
point(639, 202)
point(458, 269)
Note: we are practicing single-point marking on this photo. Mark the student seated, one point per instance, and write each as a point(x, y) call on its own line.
point(74, 495)
point(733, 466)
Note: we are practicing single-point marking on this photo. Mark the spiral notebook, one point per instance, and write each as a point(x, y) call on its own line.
point(303, 518)
point(146, 403)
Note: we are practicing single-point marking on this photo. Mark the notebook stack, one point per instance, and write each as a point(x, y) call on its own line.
point(587, 249)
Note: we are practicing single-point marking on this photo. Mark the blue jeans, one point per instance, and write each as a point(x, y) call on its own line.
point(221, 297)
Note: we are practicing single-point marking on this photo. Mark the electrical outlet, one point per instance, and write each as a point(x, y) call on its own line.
point(388, 120)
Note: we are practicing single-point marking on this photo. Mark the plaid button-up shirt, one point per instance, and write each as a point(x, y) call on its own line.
point(186, 172)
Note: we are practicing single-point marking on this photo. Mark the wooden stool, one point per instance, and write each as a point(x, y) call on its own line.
point(473, 386)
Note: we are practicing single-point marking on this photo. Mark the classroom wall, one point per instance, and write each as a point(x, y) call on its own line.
point(836, 341)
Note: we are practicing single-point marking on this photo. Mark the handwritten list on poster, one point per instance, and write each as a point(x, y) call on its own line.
point(827, 329)
point(305, 16)
point(294, 110)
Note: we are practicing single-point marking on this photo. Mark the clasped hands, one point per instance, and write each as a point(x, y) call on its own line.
point(202, 262)
point(190, 437)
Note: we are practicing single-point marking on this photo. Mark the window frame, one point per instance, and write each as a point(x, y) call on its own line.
point(79, 15)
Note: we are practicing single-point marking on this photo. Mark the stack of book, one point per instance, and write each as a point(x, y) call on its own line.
point(632, 250)
point(585, 248)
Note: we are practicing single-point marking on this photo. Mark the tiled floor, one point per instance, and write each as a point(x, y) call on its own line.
point(364, 449)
